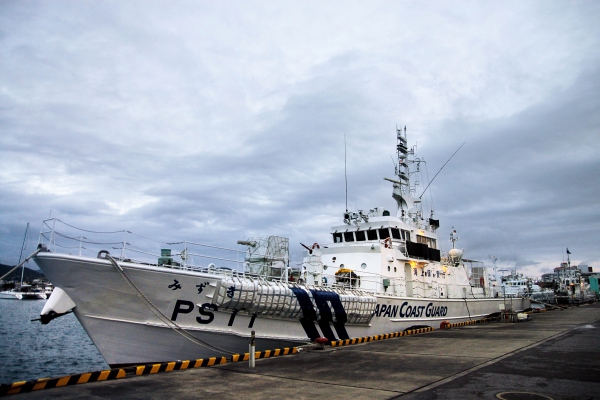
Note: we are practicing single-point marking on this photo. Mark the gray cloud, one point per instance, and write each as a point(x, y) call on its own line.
point(216, 122)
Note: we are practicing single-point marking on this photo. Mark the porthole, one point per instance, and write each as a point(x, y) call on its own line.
point(388, 268)
point(394, 269)
point(341, 266)
point(324, 267)
point(363, 265)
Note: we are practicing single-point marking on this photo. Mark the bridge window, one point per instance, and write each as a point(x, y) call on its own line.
point(372, 235)
point(337, 237)
point(348, 236)
point(396, 233)
point(360, 236)
point(384, 233)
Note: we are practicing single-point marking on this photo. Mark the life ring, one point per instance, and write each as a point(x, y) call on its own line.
point(387, 243)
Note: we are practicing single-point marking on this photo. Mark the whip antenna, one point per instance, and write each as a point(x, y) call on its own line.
point(441, 169)
point(345, 173)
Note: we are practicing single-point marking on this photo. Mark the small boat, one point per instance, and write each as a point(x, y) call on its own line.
point(29, 292)
point(48, 289)
point(384, 271)
point(23, 291)
point(517, 285)
point(8, 294)
point(569, 285)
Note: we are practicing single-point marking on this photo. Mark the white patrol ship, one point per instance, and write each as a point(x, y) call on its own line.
point(383, 273)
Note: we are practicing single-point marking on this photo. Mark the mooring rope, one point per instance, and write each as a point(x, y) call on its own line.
point(24, 261)
point(467, 305)
point(158, 313)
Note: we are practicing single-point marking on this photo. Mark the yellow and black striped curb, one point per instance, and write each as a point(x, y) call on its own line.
point(473, 322)
point(346, 342)
point(118, 373)
point(265, 354)
point(47, 383)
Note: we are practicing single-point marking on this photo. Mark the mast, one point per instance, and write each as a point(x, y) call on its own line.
point(402, 152)
point(21, 255)
point(407, 204)
point(453, 237)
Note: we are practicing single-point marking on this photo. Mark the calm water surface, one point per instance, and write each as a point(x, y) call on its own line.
point(30, 350)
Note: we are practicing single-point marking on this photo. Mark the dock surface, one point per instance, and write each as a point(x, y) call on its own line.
point(556, 355)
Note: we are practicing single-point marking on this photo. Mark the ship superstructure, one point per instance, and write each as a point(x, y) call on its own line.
point(397, 252)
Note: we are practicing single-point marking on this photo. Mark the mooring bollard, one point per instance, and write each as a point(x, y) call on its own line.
point(252, 351)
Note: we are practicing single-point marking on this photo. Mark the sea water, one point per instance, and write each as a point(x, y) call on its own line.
point(30, 350)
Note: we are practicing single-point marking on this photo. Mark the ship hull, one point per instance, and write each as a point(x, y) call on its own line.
point(15, 295)
point(146, 314)
point(8, 295)
point(31, 296)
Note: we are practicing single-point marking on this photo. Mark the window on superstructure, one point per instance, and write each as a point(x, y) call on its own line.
point(426, 240)
point(384, 233)
point(348, 236)
point(360, 236)
point(337, 237)
point(406, 235)
point(396, 233)
point(372, 235)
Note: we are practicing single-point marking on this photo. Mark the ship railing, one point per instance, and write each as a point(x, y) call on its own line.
point(381, 284)
point(417, 223)
point(128, 246)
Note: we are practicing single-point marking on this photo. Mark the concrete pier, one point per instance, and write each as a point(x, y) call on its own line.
point(556, 355)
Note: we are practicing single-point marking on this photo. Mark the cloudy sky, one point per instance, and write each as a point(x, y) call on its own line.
point(219, 121)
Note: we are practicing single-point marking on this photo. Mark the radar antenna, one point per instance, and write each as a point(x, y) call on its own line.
point(453, 237)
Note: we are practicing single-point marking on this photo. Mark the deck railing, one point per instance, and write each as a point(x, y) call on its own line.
point(126, 245)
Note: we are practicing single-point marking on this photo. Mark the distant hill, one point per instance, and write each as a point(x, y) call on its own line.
point(28, 276)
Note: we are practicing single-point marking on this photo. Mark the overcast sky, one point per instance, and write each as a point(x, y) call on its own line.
point(219, 121)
